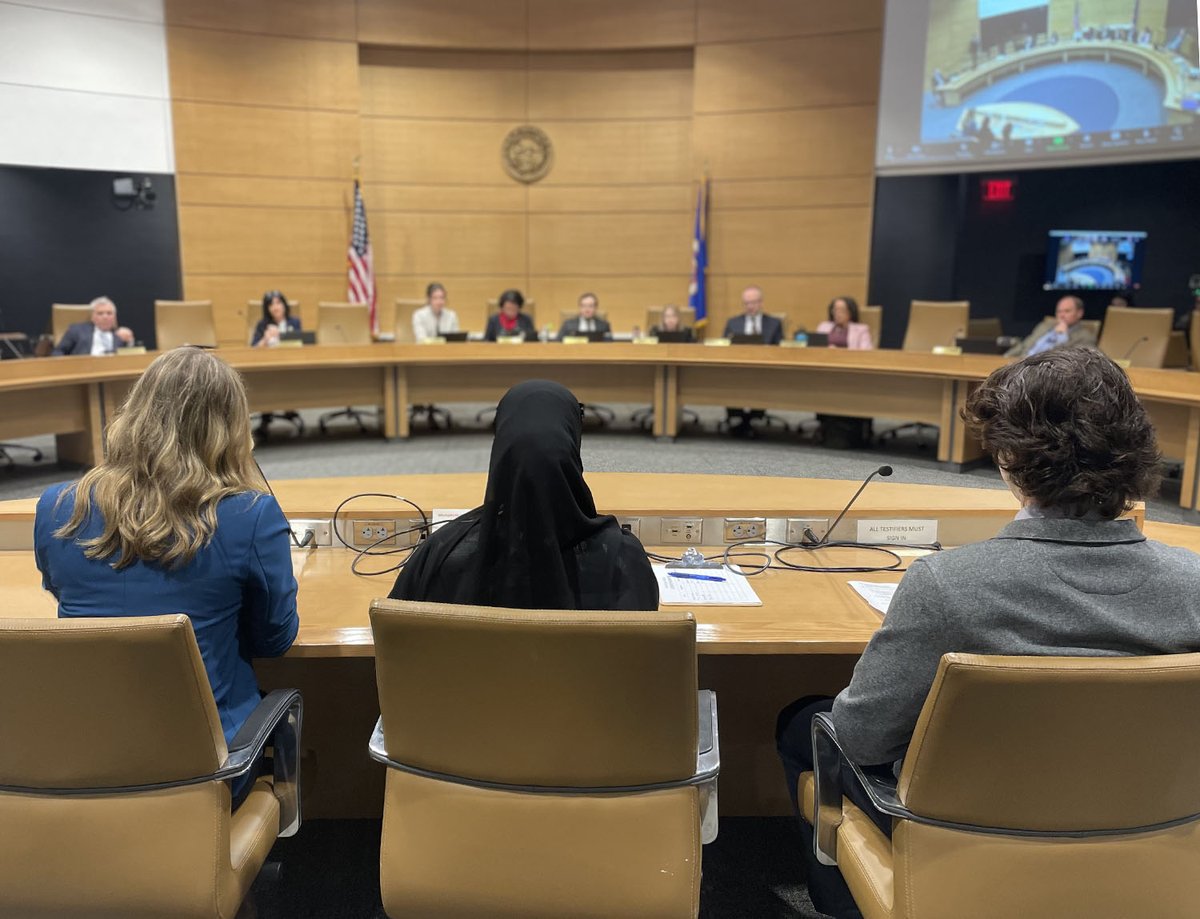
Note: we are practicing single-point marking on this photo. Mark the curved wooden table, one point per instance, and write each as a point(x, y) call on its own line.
point(803, 640)
point(72, 397)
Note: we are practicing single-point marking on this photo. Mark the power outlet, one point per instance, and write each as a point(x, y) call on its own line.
point(681, 531)
point(633, 524)
point(797, 525)
point(740, 529)
point(375, 534)
point(322, 534)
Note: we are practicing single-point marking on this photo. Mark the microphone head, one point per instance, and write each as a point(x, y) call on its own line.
point(885, 470)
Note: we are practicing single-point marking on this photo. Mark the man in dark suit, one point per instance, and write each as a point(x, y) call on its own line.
point(587, 320)
point(753, 321)
point(100, 335)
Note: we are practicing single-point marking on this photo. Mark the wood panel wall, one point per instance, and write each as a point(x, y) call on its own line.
point(274, 100)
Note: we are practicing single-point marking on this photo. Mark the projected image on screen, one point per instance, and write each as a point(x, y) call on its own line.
point(1039, 78)
point(1094, 260)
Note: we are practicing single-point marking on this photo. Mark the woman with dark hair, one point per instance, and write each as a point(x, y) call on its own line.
point(537, 541)
point(843, 328)
point(1067, 577)
point(276, 319)
point(510, 321)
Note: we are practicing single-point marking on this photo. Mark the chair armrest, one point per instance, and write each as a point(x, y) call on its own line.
point(708, 764)
point(277, 718)
point(828, 757)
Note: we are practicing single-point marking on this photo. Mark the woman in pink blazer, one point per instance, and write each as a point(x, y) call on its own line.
point(843, 328)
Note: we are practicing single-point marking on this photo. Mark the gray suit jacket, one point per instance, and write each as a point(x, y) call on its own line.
point(1078, 336)
point(1043, 586)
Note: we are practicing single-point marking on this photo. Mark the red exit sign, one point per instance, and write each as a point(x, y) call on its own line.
point(992, 190)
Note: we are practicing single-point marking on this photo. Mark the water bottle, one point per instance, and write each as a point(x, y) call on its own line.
point(801, 338)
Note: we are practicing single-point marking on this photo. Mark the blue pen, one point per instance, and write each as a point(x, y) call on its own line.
point(694, 577)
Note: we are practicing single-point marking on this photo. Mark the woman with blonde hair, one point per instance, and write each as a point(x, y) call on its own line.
point(175, 520)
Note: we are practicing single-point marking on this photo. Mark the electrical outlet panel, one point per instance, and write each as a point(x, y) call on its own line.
point(322, 533)
point(373, 533)
point(797, 525)
point(632, 524)
point(740, 529)
point(681, 531)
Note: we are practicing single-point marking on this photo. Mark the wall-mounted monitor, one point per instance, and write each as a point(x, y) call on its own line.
point(971, 84)
point(1094, 260)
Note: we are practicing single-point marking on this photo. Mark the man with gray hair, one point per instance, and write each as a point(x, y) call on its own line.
point(99, 335)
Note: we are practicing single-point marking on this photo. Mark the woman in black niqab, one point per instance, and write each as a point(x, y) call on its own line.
point(537, 541)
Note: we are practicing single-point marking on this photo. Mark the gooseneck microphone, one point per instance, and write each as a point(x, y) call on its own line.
point(1135, 346)
point(884, 471)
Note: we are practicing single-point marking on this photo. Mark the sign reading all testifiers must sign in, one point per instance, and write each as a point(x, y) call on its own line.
point(898, 532)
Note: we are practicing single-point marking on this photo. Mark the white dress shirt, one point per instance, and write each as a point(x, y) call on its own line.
point(103, 342)
point(753, 325)
point(426, 325)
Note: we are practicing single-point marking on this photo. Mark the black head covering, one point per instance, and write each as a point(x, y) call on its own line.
point(537, 541)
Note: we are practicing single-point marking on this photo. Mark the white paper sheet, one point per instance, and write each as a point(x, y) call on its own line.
point(879, 596)
point(440, 516)
point(732, 589)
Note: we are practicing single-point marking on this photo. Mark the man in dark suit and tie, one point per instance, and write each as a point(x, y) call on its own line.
point(753, 321)
point(100, 335)
point(587, 320)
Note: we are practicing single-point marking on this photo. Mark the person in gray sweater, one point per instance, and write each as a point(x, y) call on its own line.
point(1066, 577)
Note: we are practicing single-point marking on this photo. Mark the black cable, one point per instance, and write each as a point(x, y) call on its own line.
point(422, 529)
point(308, 540)
point(774, 560)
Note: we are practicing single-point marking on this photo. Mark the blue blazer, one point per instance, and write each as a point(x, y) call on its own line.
point(78, 339)
point(772, 328)
point(238, 590)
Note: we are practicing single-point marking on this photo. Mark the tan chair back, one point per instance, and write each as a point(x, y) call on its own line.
point(1177, 351)
point(872, 316)
point(458, 693)
point(548, 701)
point(105, 703)
point(687, 317)
point(64, 315)
point(184, 322)
point(1028, 742)
point(254, 314)
point(1194, 339)
point(783, 322)
point(343, 323)
point(492, 307)
point(933, 324)
point(1137, 335)
point(984, 328)
point(405, 307)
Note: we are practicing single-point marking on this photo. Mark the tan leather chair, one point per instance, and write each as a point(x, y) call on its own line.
point(405, 307)
point(64, 315)
point(1194, 339)
point(1176, 357)
point(1139, 336)
point(1035, 787)
point(541, 764)
point(114, 793)
point(687, 317)
point(343, 323)
point(933, 323)
point(254, 314)
point(184, 322)
point(989, 327)
point(873, 317)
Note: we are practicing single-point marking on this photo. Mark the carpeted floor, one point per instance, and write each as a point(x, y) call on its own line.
point(752, 871)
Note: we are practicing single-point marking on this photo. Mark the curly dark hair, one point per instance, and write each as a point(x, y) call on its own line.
point(1069, 432)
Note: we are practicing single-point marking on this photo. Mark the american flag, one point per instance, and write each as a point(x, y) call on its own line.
point(360, 269)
